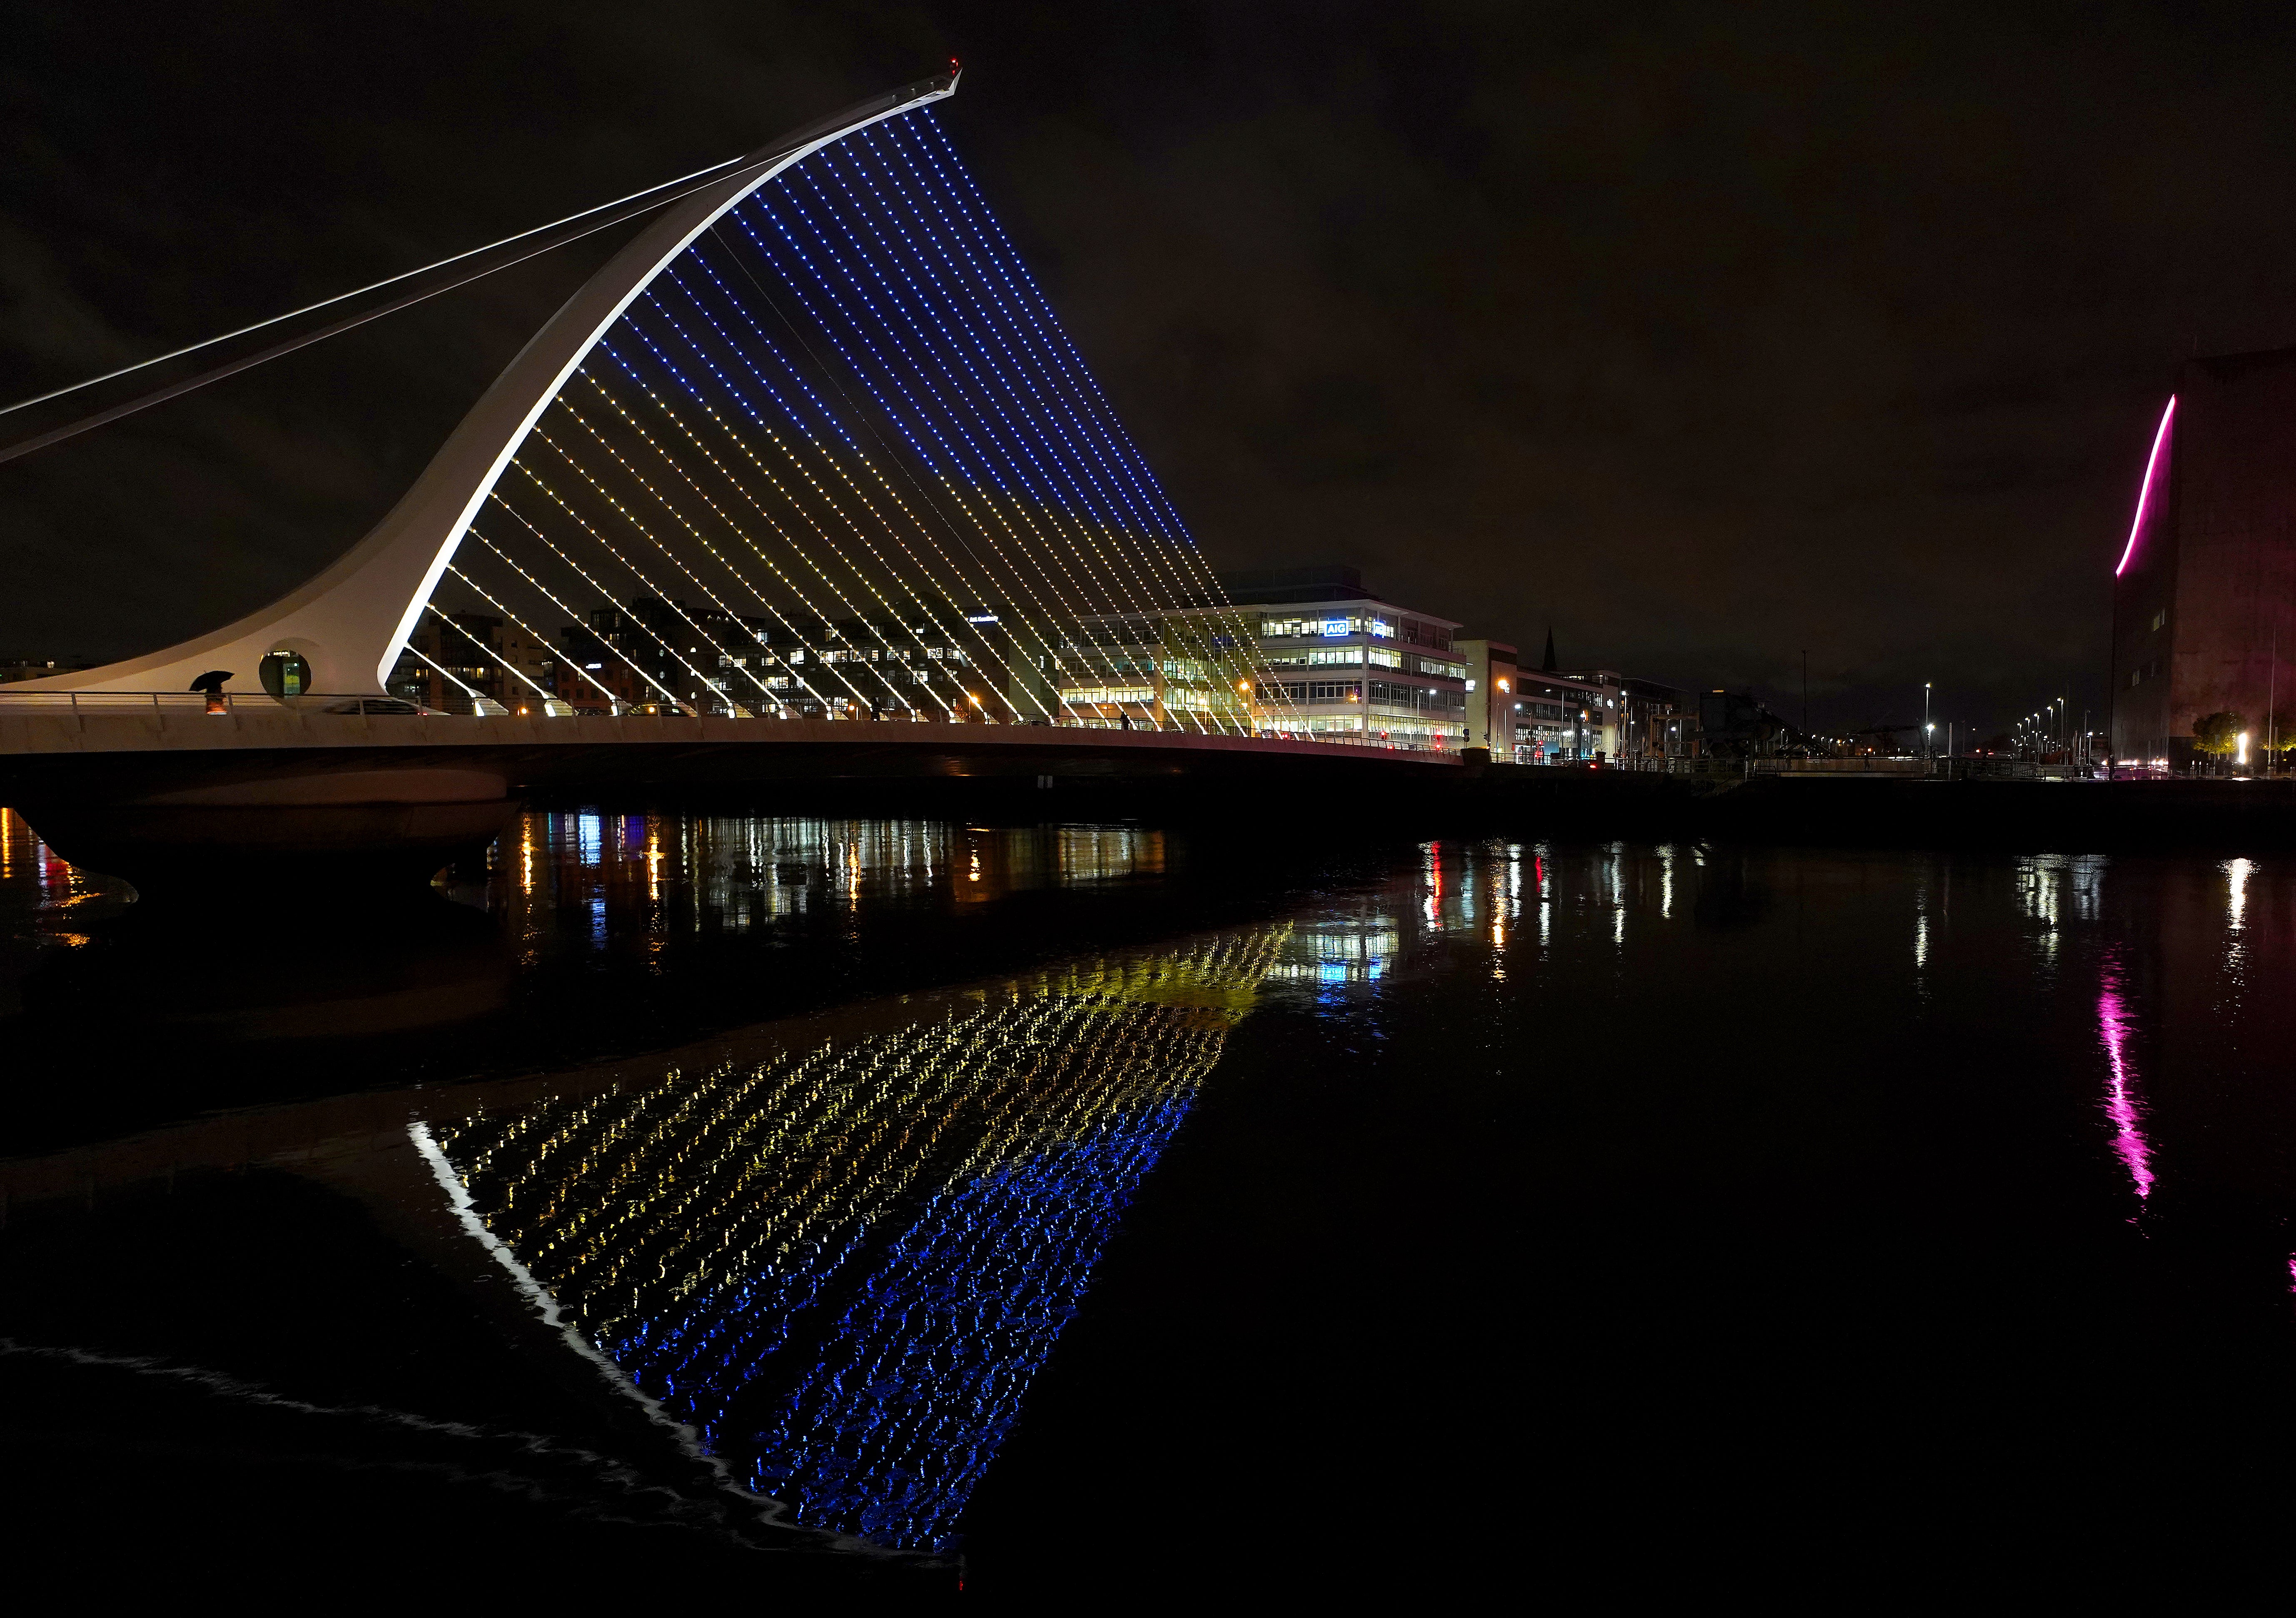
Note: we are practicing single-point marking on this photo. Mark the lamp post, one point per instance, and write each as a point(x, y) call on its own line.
point(1926, 725)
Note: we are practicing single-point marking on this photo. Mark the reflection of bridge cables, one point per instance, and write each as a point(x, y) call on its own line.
point(695, 1227)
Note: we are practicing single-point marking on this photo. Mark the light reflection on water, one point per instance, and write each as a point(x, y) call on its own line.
point(843, 1265)
point(2122, 1103)
point(843, 1248)
point(733, 874)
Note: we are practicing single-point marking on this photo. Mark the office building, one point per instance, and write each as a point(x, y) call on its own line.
point(1339, 662)
point(1491, 701)
point(2204, 594)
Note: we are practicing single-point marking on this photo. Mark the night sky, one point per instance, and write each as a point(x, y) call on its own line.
point(1703, 334)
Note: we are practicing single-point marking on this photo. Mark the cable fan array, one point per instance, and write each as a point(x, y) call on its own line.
point(839, 459)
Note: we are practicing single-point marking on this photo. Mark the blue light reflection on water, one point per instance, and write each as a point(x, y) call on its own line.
point(922, 1376)
point(842, 1266)
point(865, 1356)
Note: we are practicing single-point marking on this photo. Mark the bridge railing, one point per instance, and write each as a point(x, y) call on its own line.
point(459, 706)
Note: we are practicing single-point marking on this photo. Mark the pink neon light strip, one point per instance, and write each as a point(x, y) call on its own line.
point(2144, 494)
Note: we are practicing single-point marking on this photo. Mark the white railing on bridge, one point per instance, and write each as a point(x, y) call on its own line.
point(174, 702)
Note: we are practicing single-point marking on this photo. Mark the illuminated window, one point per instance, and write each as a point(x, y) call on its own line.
point(285, 673)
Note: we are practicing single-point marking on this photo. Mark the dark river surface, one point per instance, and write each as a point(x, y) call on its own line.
point(1067, 1211)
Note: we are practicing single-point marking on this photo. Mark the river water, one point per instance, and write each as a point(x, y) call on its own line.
point(1053, 1209)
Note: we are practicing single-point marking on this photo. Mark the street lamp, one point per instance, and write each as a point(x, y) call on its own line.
point(1926, 725)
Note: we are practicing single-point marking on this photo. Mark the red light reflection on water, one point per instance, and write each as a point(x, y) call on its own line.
point(2120, 1101)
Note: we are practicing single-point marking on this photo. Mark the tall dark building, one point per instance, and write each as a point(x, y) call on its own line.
point(2204, 597)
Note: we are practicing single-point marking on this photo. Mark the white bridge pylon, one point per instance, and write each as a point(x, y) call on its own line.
point(350, 623)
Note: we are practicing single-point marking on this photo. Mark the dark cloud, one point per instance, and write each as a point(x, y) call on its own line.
point(1705, 333)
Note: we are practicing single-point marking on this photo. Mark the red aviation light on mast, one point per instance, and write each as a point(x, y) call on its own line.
point(2144, 491)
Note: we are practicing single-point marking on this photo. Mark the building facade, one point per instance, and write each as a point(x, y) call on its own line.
point(1561, 718)
point(2204, 595)
point(1653, 720)
point(1189, 669)
point(1492, 677)
point(457, 662)
point(1340, 663)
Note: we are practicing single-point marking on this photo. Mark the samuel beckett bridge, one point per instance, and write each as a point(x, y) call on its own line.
point(807, 483)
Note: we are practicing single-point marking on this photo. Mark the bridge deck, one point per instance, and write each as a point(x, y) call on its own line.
point(44, 747)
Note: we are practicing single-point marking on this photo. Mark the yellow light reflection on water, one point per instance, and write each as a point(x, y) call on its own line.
point(686, 1223)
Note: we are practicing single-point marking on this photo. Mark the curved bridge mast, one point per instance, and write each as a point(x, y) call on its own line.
point(351, 621)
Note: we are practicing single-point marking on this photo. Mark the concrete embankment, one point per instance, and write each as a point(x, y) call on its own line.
point(1853, 808)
